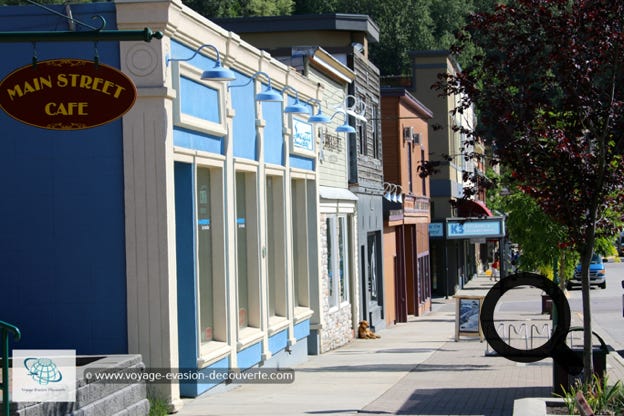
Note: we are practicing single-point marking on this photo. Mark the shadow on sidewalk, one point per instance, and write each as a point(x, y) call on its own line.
point(386, 367)
point(464, 401)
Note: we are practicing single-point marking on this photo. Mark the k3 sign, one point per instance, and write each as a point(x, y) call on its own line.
point(66, 94)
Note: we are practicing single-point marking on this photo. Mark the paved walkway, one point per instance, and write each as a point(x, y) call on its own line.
point(415, 368)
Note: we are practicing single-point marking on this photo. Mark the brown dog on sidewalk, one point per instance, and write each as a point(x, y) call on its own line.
point(365, 332)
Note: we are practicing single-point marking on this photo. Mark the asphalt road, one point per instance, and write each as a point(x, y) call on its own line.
point(606, 307)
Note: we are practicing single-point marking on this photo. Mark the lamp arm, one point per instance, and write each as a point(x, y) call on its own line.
point(206, 45)
point(253, 77)
point(315, 102)
point(339, 111)
point(288, 87)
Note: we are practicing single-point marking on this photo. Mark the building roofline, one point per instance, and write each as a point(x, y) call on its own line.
point(303, 22)
point(410, 100)
point(436, 53)
point(324, 61)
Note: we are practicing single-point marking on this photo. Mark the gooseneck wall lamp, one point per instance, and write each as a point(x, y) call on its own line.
point(357, 109)
point(216, 73)
point(319, 117)
point(345, 127)
point(297, 107)
point(391, 192)
point(268, 94)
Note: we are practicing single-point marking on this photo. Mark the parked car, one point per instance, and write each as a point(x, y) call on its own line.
point(619, 245)
point(597, 274)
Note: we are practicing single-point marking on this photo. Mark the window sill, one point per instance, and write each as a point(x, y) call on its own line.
point(248, 336)
point(302, 313)
point(277, 324)
point(211, 352)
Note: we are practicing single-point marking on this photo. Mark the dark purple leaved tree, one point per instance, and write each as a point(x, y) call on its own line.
point(548, 87)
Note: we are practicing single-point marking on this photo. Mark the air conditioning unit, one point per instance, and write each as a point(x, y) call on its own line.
point(408, 134)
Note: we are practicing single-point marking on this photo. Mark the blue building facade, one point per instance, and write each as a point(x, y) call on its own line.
point(62, 211)
point(186, 230)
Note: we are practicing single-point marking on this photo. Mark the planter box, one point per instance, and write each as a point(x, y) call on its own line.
point(538, 406)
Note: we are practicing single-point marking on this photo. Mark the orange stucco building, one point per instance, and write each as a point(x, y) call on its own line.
point(406, 205)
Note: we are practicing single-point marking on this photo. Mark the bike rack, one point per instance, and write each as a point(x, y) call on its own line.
point(535, 330)
point(506, 330)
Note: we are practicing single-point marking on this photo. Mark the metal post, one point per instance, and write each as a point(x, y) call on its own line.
point(5, 372)
point(145, 35)
point(5, 328)
point(445, 268)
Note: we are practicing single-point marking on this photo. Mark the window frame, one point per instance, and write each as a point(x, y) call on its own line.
point(180, 70)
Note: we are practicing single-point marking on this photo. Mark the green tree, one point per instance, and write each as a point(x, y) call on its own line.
point(537, 234)
point(403, 25)
point(400, 32)
point(549, 88)
point(241, 8)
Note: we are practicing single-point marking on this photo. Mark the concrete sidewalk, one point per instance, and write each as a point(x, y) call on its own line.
point(415, 368)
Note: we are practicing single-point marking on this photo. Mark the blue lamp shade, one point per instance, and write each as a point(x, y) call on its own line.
point(319, 118)
point(269, 94)
point(296, 108)
point(345, 128)
point(218, 73)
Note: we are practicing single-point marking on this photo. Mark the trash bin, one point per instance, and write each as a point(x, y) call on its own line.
point(564, 379)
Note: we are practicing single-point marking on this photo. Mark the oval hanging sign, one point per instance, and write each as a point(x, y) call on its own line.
point(67, 94)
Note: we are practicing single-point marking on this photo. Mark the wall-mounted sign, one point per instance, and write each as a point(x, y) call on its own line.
point(487, 228)
point(302, 136)
point(436, 229)
point(66, 94)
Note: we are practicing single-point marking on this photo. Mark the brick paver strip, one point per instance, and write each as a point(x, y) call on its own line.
point(460, 380)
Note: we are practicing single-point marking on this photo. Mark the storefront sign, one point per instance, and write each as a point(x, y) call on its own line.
point(66, 94)
point(436, 229)
point(302, 139)
point(487, 228)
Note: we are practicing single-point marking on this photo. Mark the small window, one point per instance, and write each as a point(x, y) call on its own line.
point(363, 143)
point(376, 136)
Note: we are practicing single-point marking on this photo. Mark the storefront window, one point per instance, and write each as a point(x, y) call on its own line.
point(247, 250)
point(276, 245)
point(301, 240)
point(331, 262)
point(343, 259)
point(372, 267)
point(204, 255)
point(337, 259)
